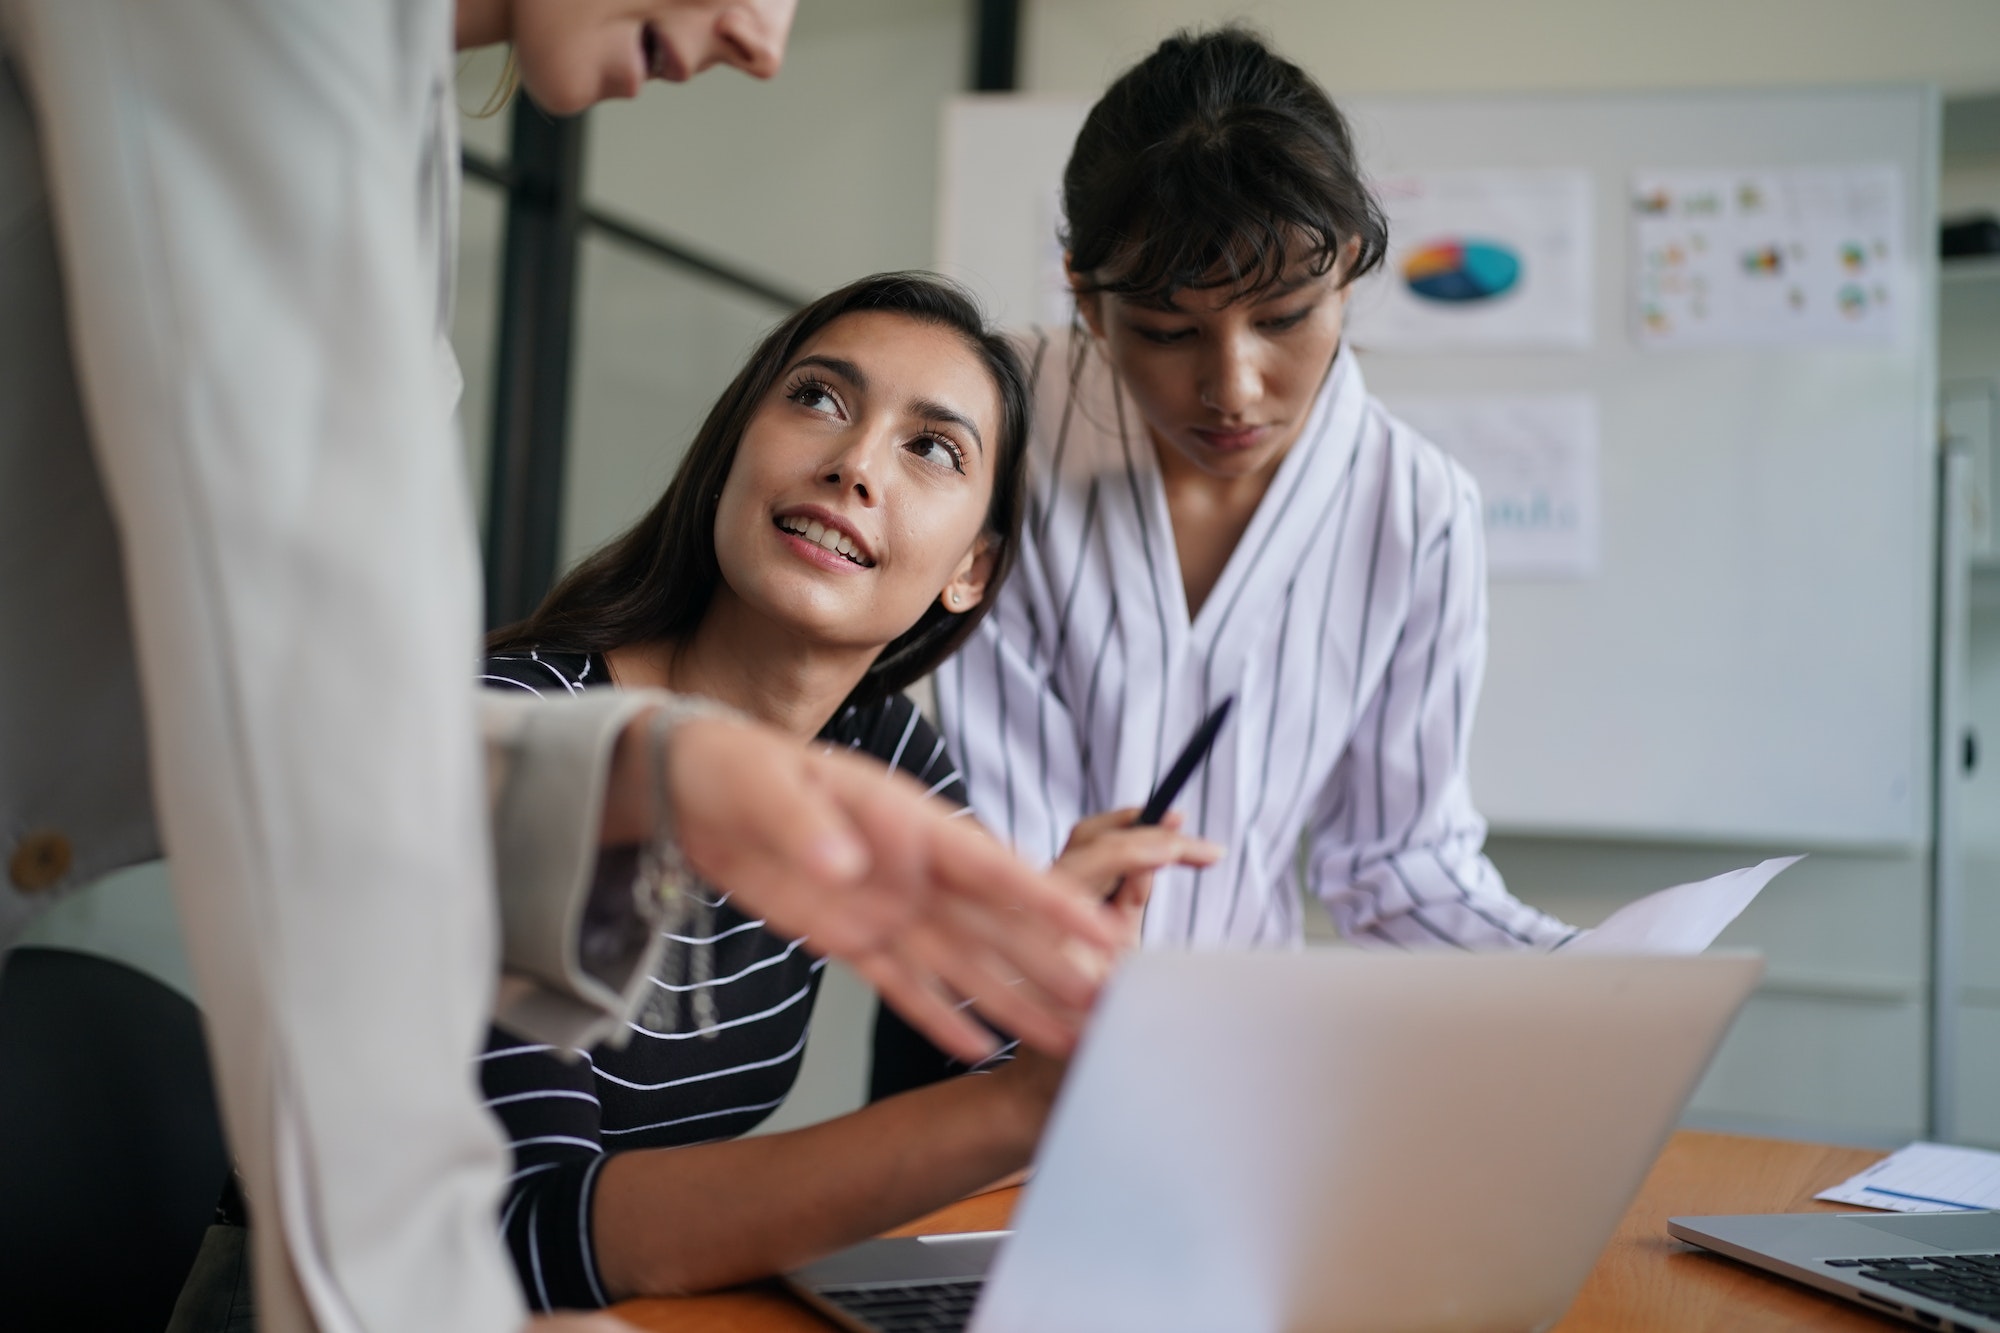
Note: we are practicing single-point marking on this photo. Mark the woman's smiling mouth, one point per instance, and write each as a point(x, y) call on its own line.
point(828, 538)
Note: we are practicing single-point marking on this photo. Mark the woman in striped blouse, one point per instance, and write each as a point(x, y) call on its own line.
point(831, 536)
point(1218, 506)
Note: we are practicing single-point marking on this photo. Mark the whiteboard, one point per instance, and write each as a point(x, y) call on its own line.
point(1752, 659)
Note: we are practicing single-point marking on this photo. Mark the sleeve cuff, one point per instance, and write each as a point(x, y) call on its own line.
point(575, 943)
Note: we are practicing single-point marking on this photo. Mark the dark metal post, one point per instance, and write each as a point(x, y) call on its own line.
point(531, 370)
point(996, 38)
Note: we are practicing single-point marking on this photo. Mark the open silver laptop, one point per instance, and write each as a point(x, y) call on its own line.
point(1329, 1141)
point(1936, 1270)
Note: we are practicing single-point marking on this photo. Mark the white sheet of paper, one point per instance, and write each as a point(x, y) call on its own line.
point(1683, 919)
point(1534, 456)
point(1925, 1178)
point(1480, 259)
point(1797, 256)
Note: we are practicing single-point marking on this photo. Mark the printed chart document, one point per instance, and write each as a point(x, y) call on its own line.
point(1534, 456)
point(1480, 259)
point(1925, 1178)
point(1683, 919)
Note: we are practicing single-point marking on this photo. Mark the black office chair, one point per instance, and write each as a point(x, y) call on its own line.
point(111, 1153)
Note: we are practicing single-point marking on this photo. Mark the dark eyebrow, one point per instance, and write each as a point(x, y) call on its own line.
point(1286, 287)
point(1277, 291)
point(927, 408)
point(840, 366)
point(931, 410)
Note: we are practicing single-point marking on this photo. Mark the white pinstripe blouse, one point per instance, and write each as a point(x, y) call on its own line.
point(1350, 623)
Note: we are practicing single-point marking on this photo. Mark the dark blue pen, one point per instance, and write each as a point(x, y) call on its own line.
point(1185, 764)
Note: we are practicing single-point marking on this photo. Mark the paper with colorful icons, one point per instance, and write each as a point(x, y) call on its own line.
point(1794, 256)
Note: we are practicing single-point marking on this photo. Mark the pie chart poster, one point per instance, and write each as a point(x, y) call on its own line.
point(1498, 259)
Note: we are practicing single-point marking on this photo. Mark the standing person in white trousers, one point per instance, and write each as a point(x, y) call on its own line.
point(226, 458)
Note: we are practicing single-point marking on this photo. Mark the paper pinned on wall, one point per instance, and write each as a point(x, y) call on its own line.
point(1480, 259)
point(1535, 459)
point(1683, 919)
point(1795, 256)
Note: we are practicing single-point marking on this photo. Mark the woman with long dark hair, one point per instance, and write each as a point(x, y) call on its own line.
point(833, 534)
point(1218, 506)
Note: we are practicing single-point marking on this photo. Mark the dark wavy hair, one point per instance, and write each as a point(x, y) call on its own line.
point(1214, 163)
point(655, 580)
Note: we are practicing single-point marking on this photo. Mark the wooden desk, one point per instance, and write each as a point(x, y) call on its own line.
point(1645, 1281)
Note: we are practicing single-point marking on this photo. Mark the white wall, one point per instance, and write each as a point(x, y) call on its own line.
point(1460, 46)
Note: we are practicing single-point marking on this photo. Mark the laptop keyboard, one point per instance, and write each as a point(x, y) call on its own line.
point(917, 1307)
point(1969, 1282)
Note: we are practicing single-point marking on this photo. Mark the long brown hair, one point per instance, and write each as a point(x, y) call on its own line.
point(655, 580)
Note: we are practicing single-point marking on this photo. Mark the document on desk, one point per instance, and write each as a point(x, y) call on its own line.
point(1683, 919)
point(1925, 1178)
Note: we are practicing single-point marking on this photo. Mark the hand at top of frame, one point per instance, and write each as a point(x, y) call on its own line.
point(875, 873)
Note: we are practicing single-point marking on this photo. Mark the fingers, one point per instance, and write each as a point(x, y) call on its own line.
point(814, 833)
point(1134, 892)
point(1028, 952)
point(978, 869)
point(1057, 939)
point(754, 784)
point(1128, 851)
point(903, 989)
point(872, 871)
point(959, 953)
point(1093, 827)
point(756, 821)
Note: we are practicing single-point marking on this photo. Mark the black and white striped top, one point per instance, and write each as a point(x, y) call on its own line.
point(565, 1116)
point(1350, 624)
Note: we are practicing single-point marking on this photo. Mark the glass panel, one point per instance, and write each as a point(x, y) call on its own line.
point(654, 348)
point(1969, 359)
point(1969, 366)
point(474, 330)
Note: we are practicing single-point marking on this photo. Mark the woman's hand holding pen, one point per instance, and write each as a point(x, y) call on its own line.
point(1115, 858)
